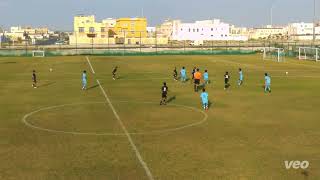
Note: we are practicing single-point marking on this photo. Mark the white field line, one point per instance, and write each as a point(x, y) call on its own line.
point(134, 147)
point(88, 60)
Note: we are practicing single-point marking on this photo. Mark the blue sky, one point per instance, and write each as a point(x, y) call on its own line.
point(58, 14)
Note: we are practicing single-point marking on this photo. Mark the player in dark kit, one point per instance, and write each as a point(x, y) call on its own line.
point(226, 81)
point(175, 74)
point(193, 72)
point(34, 79)
point(114, 71)
point(164, 91)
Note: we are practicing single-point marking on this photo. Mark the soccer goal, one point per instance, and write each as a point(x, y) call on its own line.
point(275, 54)
point(309, 53)
point(38, 53)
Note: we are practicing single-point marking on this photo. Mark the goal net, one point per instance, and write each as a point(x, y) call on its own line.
point(308, 53)
point(38, 54)
point(275, 54)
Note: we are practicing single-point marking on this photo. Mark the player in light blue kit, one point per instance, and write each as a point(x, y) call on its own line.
point(240, 82)
point(267, 86)
point(84, 80)
point(205, 99)
point(206, 77)
point(183, 74)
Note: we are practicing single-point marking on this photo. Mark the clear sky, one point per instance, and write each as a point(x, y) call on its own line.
point(58, 14)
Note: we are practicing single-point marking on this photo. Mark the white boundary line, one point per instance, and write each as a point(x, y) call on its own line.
point(155, 132)
point(88, 60)
point(134, 147)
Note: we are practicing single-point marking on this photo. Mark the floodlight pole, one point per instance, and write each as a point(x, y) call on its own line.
point(271, 16)
point(314, 22)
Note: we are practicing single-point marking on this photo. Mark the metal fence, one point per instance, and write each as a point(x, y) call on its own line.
point(171, 48)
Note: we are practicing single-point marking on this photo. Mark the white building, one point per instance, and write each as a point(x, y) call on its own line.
point(213, 30)
point(302, 31)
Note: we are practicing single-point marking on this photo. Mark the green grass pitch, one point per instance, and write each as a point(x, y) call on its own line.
point(74, 134)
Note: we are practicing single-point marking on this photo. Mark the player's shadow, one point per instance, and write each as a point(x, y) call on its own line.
point(171, 99)
point(47, 84)
point(93, 87)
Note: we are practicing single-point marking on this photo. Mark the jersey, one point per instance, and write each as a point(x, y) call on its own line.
point(114, 70)
point(204, 97)
point(183, 72)
point(226, 78)
point(267, 80)
point(193, 72)
point(164, 89)
point(241, 75)
point(84, 77)
point(206, 76)
point(175, 73)
point(197, 75)
point(34, 77)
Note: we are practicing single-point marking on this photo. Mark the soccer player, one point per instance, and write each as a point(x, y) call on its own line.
point(194, 70)
point(84, 80)
point(175, 74)
point(197, 78)
point(226, 81)
point(114, 72)
point(183, 74)
point(206, 77)
point(34, 79)
point(267, 86)
point(204, 98)
point(240, 82)
point(164, 91)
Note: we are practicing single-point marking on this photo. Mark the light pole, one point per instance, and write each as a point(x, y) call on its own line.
point(271, 15)
point(314, 22)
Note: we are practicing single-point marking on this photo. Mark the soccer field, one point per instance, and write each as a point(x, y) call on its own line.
point(116, 129)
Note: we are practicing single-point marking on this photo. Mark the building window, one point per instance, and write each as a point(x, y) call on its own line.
point(189, 30)
point(91, 29)
point(211, 29)
point(81, 29)
point(197, 30)
point(103, 36)
point(103, 29)
point(194, 30)
point(181, 29)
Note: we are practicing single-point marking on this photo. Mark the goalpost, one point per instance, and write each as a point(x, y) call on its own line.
point(38, 53)
point(272, 53)
point(309, 53)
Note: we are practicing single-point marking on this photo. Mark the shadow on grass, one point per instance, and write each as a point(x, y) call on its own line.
point(47, 84)
point(171, 99)
point(93, 87)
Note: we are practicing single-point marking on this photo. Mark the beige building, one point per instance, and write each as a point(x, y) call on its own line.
point(111, 31)
point(166, 28)
point(17, 33)
point(268, 33)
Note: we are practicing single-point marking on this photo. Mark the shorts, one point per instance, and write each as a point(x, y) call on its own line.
point(84, 83)
point(197, 81)
point(226, 81)
point(164, 95)
point(206, 102)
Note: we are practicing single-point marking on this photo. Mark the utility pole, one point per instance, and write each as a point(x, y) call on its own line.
point(314, 22)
